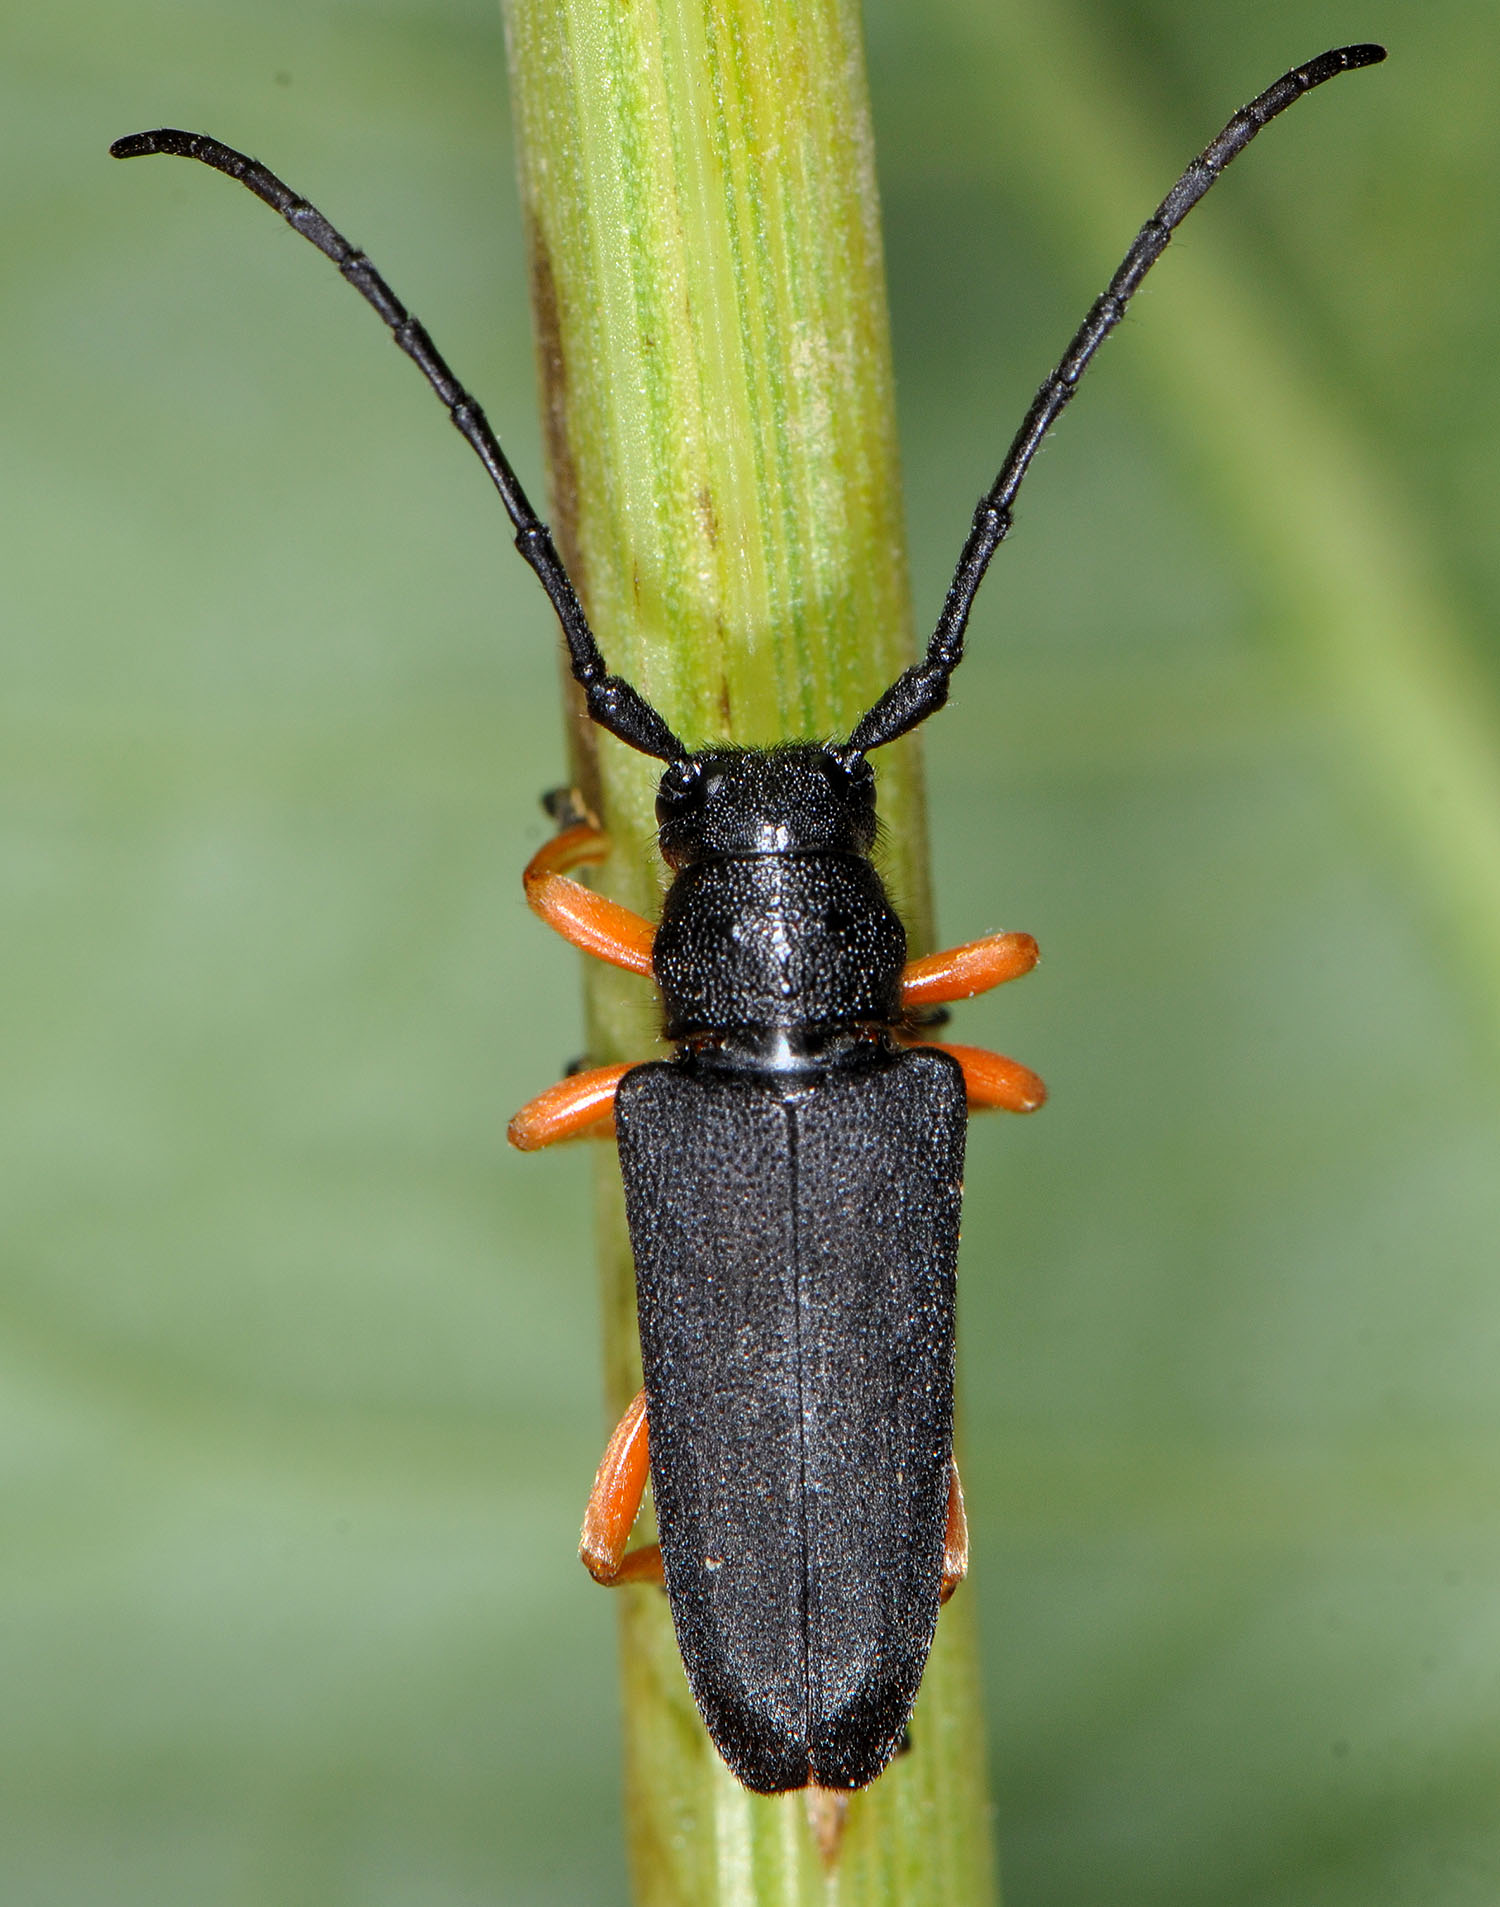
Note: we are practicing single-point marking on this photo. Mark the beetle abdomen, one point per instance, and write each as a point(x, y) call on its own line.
point(795, 1250)
point(778, 940)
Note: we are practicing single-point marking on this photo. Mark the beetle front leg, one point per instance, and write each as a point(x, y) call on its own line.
point(958, 973)
point(583, 1103)
point(595, 923)
point(955, 1537)
point(615, 1503)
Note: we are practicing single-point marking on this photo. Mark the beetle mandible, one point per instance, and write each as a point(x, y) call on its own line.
point(793, 1174)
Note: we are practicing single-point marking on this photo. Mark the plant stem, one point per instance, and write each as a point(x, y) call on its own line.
point(699, 189)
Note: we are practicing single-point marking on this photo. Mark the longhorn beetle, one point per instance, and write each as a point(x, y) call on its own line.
point(792, 1175)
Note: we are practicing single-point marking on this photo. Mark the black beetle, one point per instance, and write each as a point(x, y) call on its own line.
point(793, 1174)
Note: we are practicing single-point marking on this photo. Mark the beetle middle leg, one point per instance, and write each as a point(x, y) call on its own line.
point(583, 1103)
point(595, 923)
point(615, 1503)
point(992, 1083)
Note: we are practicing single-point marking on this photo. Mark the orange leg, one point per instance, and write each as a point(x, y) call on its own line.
point(598, 925)
point(991, 1081)
point(994, 1082)
point(584, 1103)
point(959, 973)
point(956, 1540)
point(615, 1504)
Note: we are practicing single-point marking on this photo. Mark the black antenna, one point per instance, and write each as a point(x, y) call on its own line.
point(923, 688)
point(612, 703)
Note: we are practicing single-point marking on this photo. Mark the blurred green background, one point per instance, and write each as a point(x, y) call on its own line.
point(298, 1364)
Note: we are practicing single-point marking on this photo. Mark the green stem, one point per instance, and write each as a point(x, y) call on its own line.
point(707, 278)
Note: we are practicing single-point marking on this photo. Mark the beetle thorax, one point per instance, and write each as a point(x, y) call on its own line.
point(777, 922)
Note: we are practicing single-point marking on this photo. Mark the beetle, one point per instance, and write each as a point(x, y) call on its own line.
point(793, 1173)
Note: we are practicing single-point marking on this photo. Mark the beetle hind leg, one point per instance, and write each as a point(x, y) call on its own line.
point(955, 1537)
point(615, 1503)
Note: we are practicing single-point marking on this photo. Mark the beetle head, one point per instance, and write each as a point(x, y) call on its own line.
point(800, 798)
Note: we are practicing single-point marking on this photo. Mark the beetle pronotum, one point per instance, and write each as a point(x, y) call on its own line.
point(792, 1174)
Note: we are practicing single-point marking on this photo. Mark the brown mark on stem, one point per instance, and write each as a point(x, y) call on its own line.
point(562, 469)
point(827, 1812)
point(708, 516)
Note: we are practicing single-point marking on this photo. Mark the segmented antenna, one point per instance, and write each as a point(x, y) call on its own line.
point(611, 701)
point(923, 688)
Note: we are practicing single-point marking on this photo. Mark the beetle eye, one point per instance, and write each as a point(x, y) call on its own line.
point(848, 773)
point(681, 788)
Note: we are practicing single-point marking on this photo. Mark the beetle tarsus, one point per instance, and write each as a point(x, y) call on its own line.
point(568, 809)
point(641, 1565)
